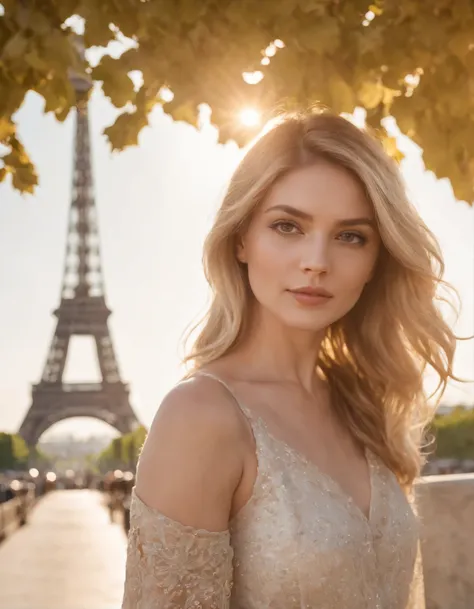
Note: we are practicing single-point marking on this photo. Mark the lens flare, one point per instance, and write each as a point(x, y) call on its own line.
point(249, 117)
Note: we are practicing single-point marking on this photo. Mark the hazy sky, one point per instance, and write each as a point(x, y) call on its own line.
point(155, 203)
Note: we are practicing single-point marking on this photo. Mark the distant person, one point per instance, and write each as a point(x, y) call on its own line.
point(279, 473)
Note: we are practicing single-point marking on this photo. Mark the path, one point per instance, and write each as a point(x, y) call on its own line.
point(68, 556)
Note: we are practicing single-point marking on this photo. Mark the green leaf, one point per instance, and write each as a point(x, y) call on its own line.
point(461, 43)
point(62, 113)
point(124, 132)
point(342, 95)
point(24, 179)
point(187, 113)
point(36, 61)
point(14, 47)
point(320, 35)
point(58, 94)
point(97, 31)
point(391, 148)
point(313, 6)
point(7, 128)
point(57, 50)
point(199, 49)
point(191, 11)
point(376, 9)
point(119, 88)
point(39, 23)
point(117, 85)
point(370, 94)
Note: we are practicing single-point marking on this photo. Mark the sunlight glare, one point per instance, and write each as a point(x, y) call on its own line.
point(252, 78)
point(412, 80)
point(76, 23)
point(166, 94)
point(250, 117)
point(270, 50)
point(357, 117)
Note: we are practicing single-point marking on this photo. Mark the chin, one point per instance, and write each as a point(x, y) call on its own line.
point(308, 323)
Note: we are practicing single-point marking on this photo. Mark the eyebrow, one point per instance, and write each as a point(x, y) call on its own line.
point(298, 213)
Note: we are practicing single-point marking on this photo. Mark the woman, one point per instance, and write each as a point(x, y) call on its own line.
point(278, 473)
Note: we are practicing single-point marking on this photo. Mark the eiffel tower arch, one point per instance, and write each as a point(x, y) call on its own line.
point(82, 312)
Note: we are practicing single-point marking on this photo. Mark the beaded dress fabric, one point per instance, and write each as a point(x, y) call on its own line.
point(300, 542)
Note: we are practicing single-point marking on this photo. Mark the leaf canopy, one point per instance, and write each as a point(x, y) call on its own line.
point(411, 59)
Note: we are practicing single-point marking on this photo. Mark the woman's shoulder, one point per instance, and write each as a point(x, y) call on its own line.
point(200, 402)
point(196, 423)
point(193, 456)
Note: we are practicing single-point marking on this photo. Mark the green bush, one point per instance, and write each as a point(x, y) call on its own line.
point(454, 434)
point(14, 452)
point(122, 452)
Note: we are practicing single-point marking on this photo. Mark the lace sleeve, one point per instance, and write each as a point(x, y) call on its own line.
point(417, 588)
point(173, 566)
point(416, 598)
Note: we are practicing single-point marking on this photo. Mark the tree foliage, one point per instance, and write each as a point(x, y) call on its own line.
point(412, 59)
point(454, 434)
point(14, 452)
point(123, 451)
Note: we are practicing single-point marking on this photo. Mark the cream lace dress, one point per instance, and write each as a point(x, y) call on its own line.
point(299, 542)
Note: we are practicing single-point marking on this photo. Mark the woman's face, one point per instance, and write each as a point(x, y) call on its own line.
point(311, 247)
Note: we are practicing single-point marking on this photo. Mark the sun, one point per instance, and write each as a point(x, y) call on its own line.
point(249, 117)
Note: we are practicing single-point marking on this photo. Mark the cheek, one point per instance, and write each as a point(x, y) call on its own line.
point(355, 271)
point(265, 254)
point(267, 264)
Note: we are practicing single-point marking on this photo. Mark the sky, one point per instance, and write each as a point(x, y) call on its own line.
point(155, 204)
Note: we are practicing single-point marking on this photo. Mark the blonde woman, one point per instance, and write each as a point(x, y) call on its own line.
point(278, 474)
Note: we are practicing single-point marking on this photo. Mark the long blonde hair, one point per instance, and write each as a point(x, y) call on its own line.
point(374, 357)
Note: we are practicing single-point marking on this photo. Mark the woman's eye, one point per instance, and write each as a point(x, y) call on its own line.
point(286, 228)
point(350, 237)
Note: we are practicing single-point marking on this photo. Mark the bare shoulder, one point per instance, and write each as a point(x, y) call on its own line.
point(202, 400)
point(199, 408)
point(193, 457)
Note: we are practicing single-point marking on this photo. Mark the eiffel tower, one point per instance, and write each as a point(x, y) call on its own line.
point(82, 311)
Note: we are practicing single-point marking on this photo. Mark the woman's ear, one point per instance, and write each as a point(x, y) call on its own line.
point(241, 252)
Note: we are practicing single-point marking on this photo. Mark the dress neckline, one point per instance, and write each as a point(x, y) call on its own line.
point(330, 481)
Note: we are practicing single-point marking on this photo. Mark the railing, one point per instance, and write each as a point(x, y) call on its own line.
point(59, 387)
point(446, 509)
point(82, 387)
point(14, 511)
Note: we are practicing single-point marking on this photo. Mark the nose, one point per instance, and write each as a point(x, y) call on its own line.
point(315, 256)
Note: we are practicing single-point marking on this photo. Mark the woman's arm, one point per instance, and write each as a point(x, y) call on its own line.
point(179, 552)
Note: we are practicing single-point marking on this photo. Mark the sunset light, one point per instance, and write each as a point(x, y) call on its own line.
point(250, 117)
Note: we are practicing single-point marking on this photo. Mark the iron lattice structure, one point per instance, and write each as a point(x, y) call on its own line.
point(82, 312)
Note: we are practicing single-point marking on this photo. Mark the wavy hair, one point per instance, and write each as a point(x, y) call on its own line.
point(374, 357)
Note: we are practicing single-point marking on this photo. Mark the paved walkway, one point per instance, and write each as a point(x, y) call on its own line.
point(68, 556)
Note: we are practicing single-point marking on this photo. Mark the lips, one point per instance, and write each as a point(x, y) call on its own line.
point(311, 297)
point(315, 292)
